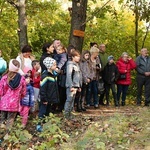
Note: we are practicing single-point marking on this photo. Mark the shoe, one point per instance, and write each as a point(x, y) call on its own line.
point(79, 110)
point(88, 106)
point(123, 103)
point(83, 109)
point(39, 128)
point(96, 106)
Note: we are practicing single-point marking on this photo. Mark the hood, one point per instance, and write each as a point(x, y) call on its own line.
point(15, 82)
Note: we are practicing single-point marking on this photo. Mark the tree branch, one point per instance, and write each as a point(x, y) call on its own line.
point(12, 3)
point(95, 13)
point(147, 30)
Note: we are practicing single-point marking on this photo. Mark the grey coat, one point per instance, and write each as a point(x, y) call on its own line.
point(74, 75)
point(142, 65)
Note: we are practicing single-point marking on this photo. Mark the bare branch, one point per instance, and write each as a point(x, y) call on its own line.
point(12, 3)
point(147, 31)
point(95, 13)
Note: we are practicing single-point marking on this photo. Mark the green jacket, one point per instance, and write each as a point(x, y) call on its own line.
point(103, 59)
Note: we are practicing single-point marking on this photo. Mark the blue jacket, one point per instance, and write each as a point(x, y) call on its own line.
point(28, 100)
point(3, 65)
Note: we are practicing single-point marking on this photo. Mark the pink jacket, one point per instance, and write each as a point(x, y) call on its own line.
point(122, 66)
point(10, 98)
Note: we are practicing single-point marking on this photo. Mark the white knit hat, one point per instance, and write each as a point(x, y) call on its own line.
point(48, 62)
point(12, 67)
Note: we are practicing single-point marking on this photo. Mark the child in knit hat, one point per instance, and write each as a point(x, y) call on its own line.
point(12, 90)
point(48, 89)
point(110, 76)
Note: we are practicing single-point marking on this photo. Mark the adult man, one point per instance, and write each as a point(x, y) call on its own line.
point(3, 65)
point(103, 58)
point(143, 76)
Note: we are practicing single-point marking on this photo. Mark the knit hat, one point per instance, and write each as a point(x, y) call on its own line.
point(12, 67)
point(110, 57)
point(48, 62)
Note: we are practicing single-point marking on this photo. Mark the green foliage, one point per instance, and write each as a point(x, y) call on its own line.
point(52, 134)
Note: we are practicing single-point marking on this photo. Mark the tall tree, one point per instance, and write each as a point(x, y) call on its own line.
point(78, 15)
point(142, 13)
point(22, 21)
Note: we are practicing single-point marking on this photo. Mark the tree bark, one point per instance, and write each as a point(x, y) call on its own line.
point(22, 23)
point(136, 26)
point(78, 15)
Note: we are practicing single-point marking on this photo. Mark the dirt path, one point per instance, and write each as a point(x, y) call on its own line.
point(111, 110)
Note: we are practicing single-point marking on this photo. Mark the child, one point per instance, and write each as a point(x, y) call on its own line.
point(73, 82)
point(27, 102)
point(110, 76)
point(48, 89)
point(61, 59)
point(12, 90)
point(36, 77)
point(86, 75)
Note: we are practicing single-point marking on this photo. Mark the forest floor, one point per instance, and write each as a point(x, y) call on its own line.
point(105, 128)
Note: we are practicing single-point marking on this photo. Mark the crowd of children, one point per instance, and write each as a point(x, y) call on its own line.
point(59, 81)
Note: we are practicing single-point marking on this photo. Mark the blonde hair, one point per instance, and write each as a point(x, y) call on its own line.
point(94, 50)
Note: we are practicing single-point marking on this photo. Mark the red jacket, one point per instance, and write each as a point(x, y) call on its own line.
point(122, 66)
point(35, 79)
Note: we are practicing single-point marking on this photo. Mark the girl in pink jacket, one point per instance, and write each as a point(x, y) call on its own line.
point(12, 90)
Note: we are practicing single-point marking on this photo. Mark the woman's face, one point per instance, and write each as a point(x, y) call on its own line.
point(27, 54)
point(50, 49)
point(95, 55)
point(125, 57)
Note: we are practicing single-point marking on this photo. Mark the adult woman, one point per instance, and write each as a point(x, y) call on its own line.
point(125, 64)
point(25, 59)
point(48, 50)
point(95, 67)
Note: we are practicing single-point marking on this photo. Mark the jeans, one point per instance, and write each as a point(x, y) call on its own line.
point(92, 91)
point(69, 104)
point(107, 90)
point(122, 89)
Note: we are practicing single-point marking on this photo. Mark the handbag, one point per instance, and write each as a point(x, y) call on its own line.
point(100, 86)
point(122, 76)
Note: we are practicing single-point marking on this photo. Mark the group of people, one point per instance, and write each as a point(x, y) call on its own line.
point(64, 79)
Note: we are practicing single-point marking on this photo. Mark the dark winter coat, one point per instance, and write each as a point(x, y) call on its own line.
point(49, 88)
point(110, 73)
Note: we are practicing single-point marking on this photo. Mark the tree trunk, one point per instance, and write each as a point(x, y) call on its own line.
point(22, 23)
point(79, 8)
point(136, 27)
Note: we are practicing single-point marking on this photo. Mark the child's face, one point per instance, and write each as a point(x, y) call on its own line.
point(111, 61)
point(37, 66)
point(29, 73)
point(53, 67)
point(60, 50)
point(76, 58)
point(27, 80)
point(86, 56)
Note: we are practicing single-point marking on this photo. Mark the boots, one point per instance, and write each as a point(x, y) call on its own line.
point(123, 103)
